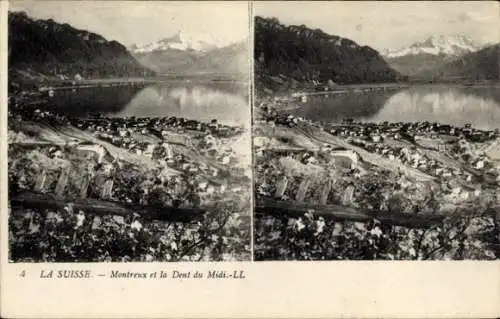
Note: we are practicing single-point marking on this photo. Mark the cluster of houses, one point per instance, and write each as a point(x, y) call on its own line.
point(467, 150)
point(172, 150)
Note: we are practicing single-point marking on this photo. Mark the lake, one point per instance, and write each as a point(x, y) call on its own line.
point(479, 106)
point(226, 102)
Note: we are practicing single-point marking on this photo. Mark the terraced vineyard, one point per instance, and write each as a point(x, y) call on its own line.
point(146, 189)
point(373, 191)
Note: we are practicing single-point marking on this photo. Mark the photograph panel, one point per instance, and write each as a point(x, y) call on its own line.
point(376, 130)
point(129, 131)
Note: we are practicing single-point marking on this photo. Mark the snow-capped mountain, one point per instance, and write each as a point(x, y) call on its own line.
point(421, 59)
point(437, 45)
point(180, 41)
point(181, 54)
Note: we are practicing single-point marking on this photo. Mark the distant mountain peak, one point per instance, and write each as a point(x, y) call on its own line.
point(454, 45)
point(181, 41)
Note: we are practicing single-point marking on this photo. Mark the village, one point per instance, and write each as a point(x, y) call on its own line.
point(161, 163)
point(391, 171)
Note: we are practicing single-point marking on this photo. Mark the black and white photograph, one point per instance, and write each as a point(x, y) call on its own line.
point(376, 130)
point(249, 159)
point(129, 131)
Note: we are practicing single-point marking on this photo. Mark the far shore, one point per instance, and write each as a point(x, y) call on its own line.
point(55, 84)
point(371, 87)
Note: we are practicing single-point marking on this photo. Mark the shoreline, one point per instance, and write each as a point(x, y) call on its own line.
point(427, 151)
point(128, 174)
point(30, 85)
point(372, 185)
point(362, 88)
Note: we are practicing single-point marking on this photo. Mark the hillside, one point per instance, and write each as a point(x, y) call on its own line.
point(416, 66)
point(303, 55)
point(481, 65)
point(190, 59)
point(45, 48)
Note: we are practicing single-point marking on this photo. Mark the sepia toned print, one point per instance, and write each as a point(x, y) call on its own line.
point(376, 136)
point(129, 131)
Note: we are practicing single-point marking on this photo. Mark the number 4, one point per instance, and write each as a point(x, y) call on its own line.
point(23, 273)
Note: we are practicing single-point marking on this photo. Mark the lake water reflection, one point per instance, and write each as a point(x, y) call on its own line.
point(226, 102)
point(479, 106)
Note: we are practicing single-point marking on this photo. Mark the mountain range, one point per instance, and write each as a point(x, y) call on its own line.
point(284, 56)
point(456, 45)
point(298, 54)
point(44, 49)
point(476, 66)
point(443, 58)
point(184, 54)
point(180, 41)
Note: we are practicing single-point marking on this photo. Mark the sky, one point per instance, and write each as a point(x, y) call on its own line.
point(142, 22)
point(391, 25)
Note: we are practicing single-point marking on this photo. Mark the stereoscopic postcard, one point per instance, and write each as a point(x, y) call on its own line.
point(250, 159)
